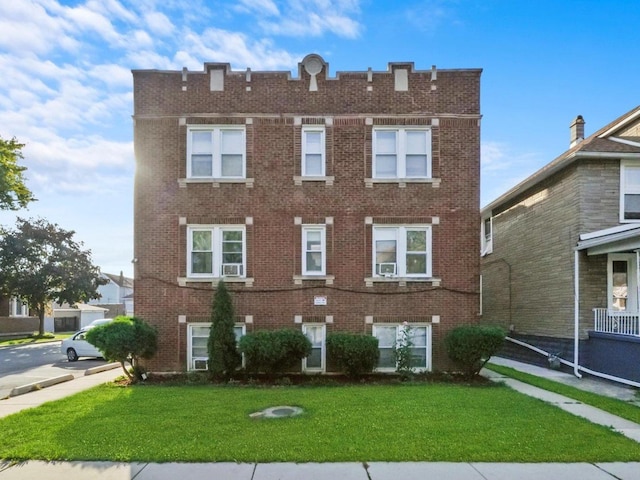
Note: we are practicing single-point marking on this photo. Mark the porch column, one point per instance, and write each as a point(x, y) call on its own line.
point(576, 311)
point(637, 281)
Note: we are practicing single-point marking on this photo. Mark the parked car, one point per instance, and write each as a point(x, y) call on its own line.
point(77, 346)
point(100, 321)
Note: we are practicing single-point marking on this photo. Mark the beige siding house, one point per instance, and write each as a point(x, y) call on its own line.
point(560, 255)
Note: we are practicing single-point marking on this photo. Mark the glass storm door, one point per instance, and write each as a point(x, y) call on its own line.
point(622, 283)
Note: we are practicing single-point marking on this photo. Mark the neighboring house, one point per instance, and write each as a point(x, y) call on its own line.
point(15, 318)
point(65, 318)
point(116, 295)
point(327, 204)
point(560, 254)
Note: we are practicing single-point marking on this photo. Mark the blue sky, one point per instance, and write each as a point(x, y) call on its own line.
point(65, 88)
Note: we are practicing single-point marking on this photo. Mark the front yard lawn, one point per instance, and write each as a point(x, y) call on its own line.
point(415, 422)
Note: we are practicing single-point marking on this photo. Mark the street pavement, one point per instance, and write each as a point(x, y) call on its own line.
point(342, 471)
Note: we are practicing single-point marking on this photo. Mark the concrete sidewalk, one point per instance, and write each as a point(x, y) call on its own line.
point(320, 471)
point(343, 471)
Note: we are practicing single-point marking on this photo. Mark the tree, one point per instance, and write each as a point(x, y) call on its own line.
point(224, 357)
point(41, 263)
point(126, 339)
point(13, 192)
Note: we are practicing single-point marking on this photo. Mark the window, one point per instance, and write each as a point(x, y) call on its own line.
point(313, 152)
point(629, 191)
point(216, 251)
point(402, 251)
point(216, 152)
point(316, 335)
point(19, 308)
point(487, 236)
point(621, 282)
point(313, 250)
point(197, 349)
point(401, 153)
point(390, 337)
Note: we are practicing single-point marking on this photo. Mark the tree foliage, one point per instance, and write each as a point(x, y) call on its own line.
point(41, 263)
point(13, 192)
point(125, 340)
point(224, 357)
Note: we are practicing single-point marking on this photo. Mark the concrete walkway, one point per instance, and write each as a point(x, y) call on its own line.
point(343, 471)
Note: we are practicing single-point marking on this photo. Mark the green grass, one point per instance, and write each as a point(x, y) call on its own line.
point(617, 407)
point(415, 422)
point(35, 338)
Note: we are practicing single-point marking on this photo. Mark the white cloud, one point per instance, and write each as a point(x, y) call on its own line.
point(216, 45)
point(264, 7)
point(159, 23)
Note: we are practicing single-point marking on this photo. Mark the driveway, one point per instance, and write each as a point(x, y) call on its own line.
point(23, 364)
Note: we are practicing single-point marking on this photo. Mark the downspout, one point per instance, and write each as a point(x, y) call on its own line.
point(576, 311)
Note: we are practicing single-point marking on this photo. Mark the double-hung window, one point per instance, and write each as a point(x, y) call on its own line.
point(314, 256)
point(313, 151)
point(415, 338)
point(401, 153)
point(197, 350)
point(629, 192)
point(216, 251)
point(216, 152)
point(19, 307)
point(487, 236)
point(403, 251)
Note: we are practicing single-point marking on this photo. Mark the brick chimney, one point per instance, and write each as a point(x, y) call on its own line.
point(576, 131)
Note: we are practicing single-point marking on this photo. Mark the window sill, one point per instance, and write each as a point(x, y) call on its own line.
point(215, 182)
point(183, 281)
point(328, 181)
point(328, 279)
point(402, 281)
point(402, 182)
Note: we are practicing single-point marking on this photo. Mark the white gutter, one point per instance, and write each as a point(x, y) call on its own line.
point(576, 312)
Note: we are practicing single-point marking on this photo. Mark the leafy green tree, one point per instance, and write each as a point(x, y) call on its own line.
point(224, 357)
point(41, 263)
point(126, 340)
point(13, 192)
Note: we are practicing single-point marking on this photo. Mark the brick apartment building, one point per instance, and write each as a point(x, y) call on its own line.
point(327, 204)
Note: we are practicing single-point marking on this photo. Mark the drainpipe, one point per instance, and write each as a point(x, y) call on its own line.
point(576, 311)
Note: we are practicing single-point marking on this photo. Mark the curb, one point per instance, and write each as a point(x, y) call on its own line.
point(101, 368)
point(39, 385)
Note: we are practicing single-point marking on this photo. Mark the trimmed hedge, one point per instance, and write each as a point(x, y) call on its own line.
point(352, 353)
point(471, 346)
point(274, 351)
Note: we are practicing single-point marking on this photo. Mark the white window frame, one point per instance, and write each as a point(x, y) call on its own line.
point(486, 240)
point(191, 359)
point(625, 166)
point(401, 250)
point(18, 308)
point(322, 229)
point(217, 232)
point(322, 368)
point(398, 337)
point(401, 151)
point(216, 151)
point(303, 168)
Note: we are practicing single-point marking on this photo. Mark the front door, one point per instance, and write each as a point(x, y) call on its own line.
point(622, 282)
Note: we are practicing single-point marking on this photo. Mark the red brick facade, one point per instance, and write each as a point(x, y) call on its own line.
point(273, 202)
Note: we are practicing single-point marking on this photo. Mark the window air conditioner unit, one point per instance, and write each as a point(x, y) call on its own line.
point(200, 364)
point(387, 269)
point(231, 269)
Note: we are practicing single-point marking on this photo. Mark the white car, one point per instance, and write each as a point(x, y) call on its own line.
point(77, 346)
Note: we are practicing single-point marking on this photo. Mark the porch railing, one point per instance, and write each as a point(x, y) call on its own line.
point(622, 323)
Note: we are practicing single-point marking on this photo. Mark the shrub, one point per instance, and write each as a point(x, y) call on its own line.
point(471, 346)
point(126, 339)
point(274, 351)
point(224, 357)
point(353, 354)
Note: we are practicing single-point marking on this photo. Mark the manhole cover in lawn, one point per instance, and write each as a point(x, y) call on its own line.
point(277, 412)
